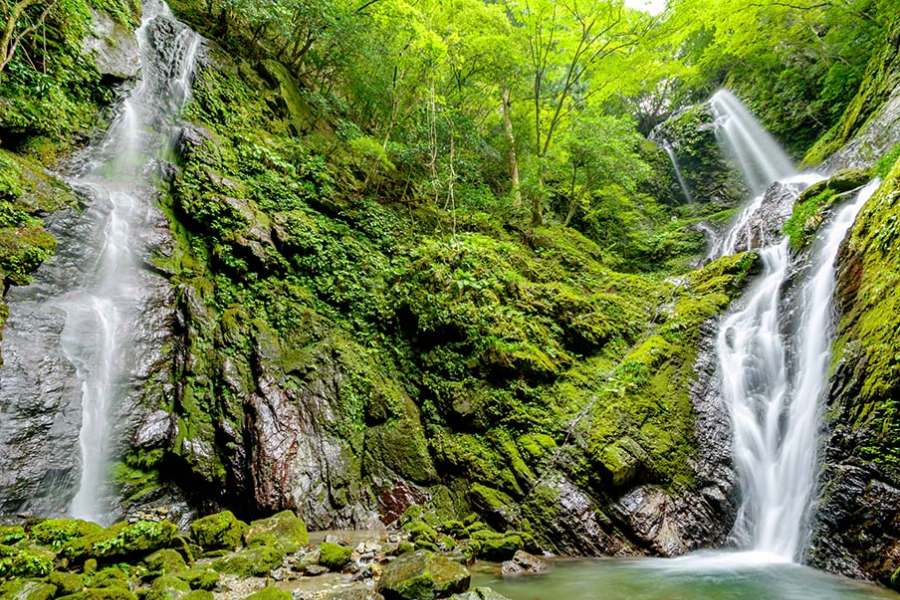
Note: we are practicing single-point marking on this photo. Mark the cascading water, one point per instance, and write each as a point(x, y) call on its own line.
point(774, 399)
point(773, 388)
point(678, 174)
point(761, 159)
point(85, 301)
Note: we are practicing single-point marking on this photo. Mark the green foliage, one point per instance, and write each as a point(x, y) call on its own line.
point(884, 164)
point(334, 556)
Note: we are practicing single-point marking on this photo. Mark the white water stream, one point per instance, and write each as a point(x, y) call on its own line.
point(774, 386)
point(98, 323)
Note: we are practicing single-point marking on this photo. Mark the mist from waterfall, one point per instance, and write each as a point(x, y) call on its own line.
point(761, 158)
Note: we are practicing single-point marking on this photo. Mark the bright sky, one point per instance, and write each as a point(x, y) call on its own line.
point(653, 7)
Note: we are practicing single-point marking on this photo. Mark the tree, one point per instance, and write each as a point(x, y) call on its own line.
point(20, 20)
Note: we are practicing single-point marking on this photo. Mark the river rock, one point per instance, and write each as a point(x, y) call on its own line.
point(523, 563)
point(285, 529)
point(422, 575)
point(219, 531)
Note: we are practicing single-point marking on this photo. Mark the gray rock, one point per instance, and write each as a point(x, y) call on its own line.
point(523, 563)
point(113, 46)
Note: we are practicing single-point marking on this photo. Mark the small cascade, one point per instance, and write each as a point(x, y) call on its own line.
point(678, 174)
point(71, 338)
point(761, 159)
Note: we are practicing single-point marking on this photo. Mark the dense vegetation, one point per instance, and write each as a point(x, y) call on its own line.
point(441, 225)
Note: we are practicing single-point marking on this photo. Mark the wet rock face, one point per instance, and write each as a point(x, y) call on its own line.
point(709, 175)
point(763, 227)
point(113, 46)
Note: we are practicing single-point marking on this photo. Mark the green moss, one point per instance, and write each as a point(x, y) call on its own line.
point(121, 541)
point(249, 562)
point(811, 205)
point(11, 534)
point(167, 587)
point(199, 578)
point(334, 556)
point(219, 531)
point(113, 593)
point(66, 583)
point(19, 589)
point(284, 528)
point(56, 532)
point(21, 562)
point(165, 561)
point(270, 593)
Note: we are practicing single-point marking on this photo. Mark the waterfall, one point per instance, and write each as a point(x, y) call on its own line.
point(81, 314)
point(774, 396)
point(678, 174)
point(97, 321)
point(761, 159)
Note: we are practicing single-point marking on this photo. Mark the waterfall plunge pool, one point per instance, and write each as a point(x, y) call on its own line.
point(700, 576)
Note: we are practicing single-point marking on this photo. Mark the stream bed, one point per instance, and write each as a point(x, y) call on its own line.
point(702, 576)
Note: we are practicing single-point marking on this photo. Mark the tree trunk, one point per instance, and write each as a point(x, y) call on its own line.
point(511, 152)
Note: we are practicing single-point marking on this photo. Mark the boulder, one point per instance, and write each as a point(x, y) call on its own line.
point(422, 575)
point(113, 46)
point(56, 532)
point(121, 541)
point(27, 590)
point(66, 583)
point(481, 593)
point(199, 579)
point(523, 563)
point(165, 561)
point(270, 593)
point(16, 561)
point(168, 587)
point(334, 556)
point(219, 531)
point(285, 528)
point(249, 562)
point(114, 593)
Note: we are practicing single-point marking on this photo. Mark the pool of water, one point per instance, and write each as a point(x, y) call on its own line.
point(714, 576)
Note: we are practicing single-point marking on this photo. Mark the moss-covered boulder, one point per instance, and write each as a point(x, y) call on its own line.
point(16, 561)
point(422, 575)
point(11, 535)
point(111, 577)
point(168, 587)
point(334, 556)
point(219, 531)
point(199, 579)
point(165, 561)
point(121, 541)
point(270, 593)
point(249, 562)
point(113, 593)
point(19, 589)
point(198, 595)
point(501, 547)
point(285, 528)
point(66, 583)
point(56, 532)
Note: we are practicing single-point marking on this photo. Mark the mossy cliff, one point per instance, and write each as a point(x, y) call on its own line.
point(857, 530)
point(869, 125)
point(344, 354)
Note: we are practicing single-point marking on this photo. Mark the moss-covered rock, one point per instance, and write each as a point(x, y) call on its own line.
point(20, 589)
point(167, 587)
point(199, 578)
point(219, 531)
point(11, 534)
point(112, 593)
point(56, 532)
point(284, 528)
point(422, 575)
point(121, 541)
point(334, 556)
point(270, 593)
point(479, 593)
point(198, 595)
point(255, 561)
point(110, 577)
point(165, 561)
point(812, 204)
point(18, 561)
point(66, 583)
